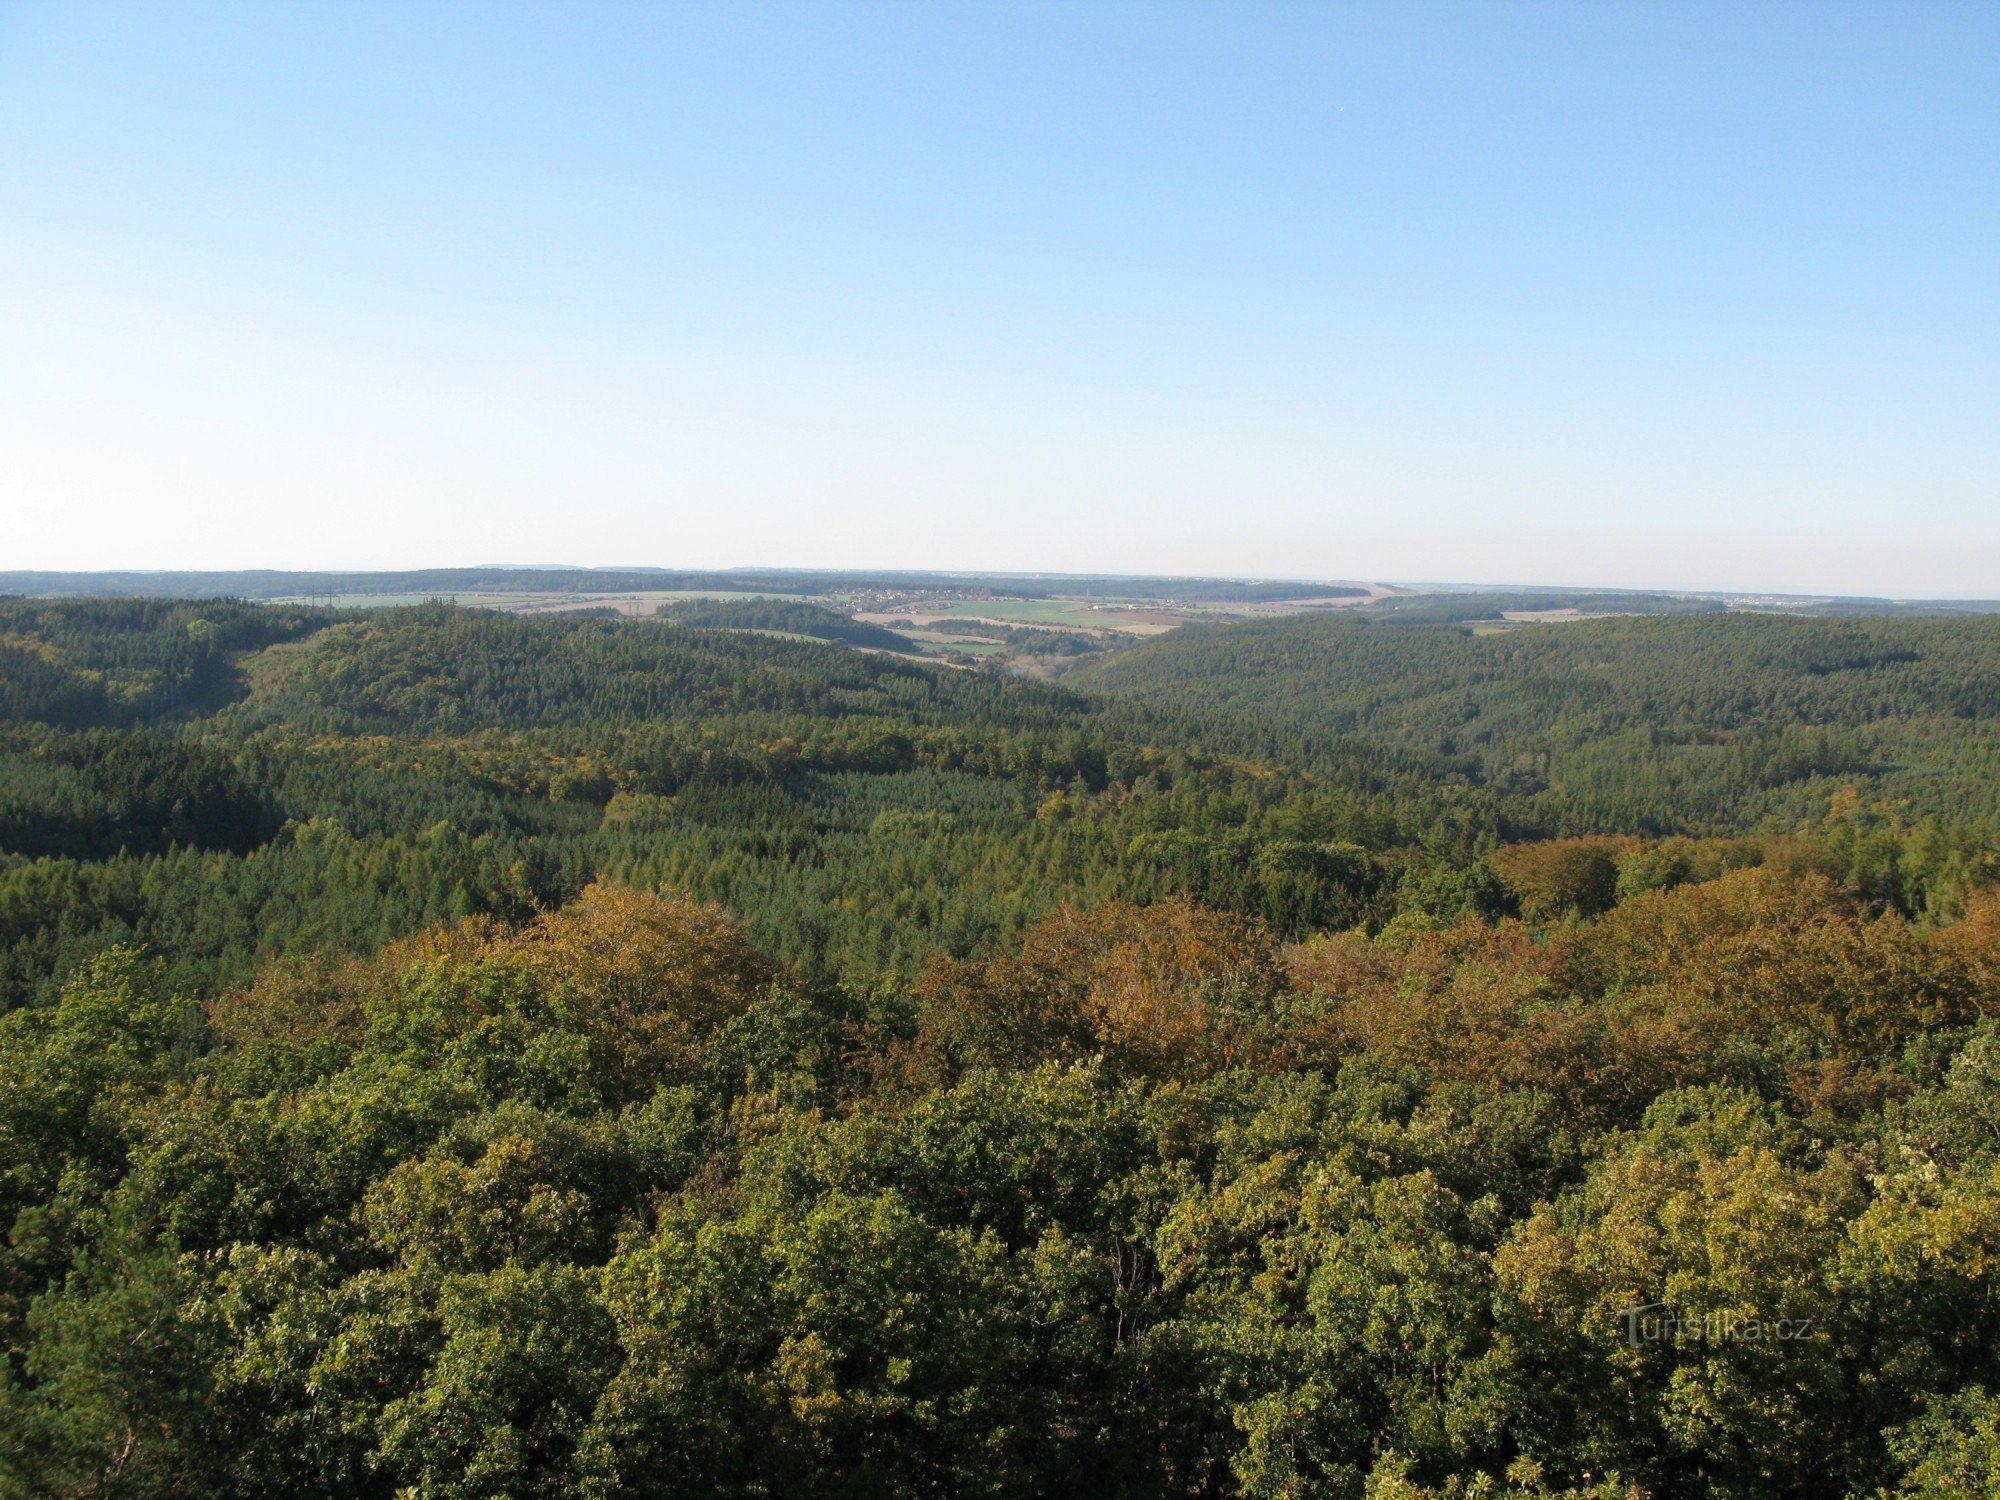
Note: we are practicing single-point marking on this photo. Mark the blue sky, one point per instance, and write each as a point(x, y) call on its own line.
point(1675, 295)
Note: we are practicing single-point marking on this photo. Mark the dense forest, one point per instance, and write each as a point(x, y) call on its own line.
point(786, 616)
point(446, 1053)
point(1649, 725)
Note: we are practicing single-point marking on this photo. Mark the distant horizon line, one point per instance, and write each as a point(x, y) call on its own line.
point(74, 576)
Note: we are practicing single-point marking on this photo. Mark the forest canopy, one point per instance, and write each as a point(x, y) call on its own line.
point(454, 1054)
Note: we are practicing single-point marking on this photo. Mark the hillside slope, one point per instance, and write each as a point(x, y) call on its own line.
point(1712, 721)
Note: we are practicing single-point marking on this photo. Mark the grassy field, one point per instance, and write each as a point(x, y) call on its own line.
point(1515, 619)
point(934, 643)
point(1108, 617)
point(1065, 614)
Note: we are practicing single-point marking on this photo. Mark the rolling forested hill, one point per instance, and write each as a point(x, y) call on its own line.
point(448, 1053)
point(351, 779)
point(229, 781)
point(789, 616)
point(1672, 723)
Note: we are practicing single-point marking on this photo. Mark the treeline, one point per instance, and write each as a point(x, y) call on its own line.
point(1694, 1198)
point(1707, 723)
point(439, 669)
point(272, 584)
point(124, 662)
point(1319, 1059)
point(1447, 609)
point(399, 768)
point(856, 853)
point(793, 616)
point(1033, 640)
point(861, 812)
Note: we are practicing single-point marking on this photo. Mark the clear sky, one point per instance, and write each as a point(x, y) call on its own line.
point(1679, 294)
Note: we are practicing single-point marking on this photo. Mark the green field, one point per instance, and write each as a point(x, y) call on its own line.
point(1069, 614)
point(935, 643)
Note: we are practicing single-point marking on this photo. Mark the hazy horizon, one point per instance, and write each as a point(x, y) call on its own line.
point(1687, 298)
point(1438, 585)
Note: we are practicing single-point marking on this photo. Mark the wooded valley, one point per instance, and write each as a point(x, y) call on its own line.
point(450, 1053)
